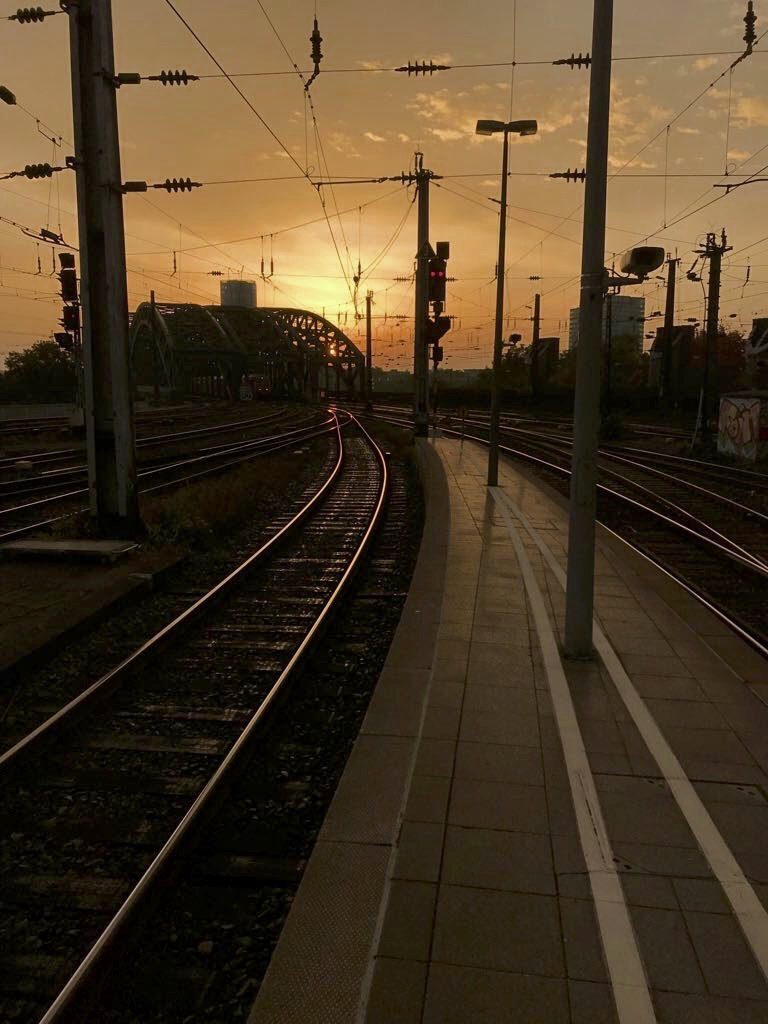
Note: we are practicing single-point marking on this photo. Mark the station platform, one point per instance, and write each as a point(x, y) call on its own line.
point(522, 838)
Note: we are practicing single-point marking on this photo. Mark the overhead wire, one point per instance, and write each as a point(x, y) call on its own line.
point(320, 150)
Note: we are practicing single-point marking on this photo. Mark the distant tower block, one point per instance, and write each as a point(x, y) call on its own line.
point(238, 293)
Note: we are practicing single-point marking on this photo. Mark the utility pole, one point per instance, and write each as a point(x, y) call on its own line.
point(493, 432)
point(713, 251)
point(108, 399)
point(608, 342)
point(586, 416)
point(536, 355)
point(420, 353)
point(665, 378)
point(368, 353)
point(536, 319)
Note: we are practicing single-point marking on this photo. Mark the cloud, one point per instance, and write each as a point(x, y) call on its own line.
point(705, 62)
point(688, 131)
point(751, 111)
point(342, 143)
point(447, 134)
point(402, 137)
point(372, 137)
point(617, 162)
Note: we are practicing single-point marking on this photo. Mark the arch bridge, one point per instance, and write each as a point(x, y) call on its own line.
point(183, 348)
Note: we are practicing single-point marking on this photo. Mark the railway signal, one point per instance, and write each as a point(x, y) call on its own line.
point(68, 277)
point(437, 278)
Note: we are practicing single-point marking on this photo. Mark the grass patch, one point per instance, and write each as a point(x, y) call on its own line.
point(201, 515)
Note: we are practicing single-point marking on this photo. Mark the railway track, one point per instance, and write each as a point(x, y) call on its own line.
point(105, 798)
point(48, 467)
point(713, 544)
point(11, 428)
point(44, 496)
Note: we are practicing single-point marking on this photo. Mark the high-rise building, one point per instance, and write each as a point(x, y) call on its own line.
point(627, 319)
point(238, 292)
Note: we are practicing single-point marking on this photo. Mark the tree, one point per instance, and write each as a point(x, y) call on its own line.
point(42, 373)
point(515, 368)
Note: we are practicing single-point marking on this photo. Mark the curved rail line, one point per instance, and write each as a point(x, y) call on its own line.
point(76, 456)
point(73, 999)
point(243, 451)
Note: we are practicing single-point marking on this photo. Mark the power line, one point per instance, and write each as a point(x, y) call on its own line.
point(282, 231)
point(235, 86)
point(480, 65)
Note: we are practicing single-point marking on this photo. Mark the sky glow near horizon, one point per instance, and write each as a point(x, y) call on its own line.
point(370, 124)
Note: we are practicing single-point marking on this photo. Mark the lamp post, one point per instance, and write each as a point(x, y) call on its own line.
point(507, 128)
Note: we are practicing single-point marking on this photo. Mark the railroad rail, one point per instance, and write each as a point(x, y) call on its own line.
point(72, 460)
point(176, 472)
point(198, 696)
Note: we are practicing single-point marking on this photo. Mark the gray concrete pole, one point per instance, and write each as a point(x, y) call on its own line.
point(711, 368)
point(536, 318)
point(493, 435)
point(669, 325)
point(586, 415)
point(104, 296)
point(420, 360)
point(368, 353)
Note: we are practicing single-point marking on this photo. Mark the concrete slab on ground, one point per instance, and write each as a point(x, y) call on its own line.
point(104, 551)
point(46, 603)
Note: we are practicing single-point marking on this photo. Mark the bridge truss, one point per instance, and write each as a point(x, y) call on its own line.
point(184, 348)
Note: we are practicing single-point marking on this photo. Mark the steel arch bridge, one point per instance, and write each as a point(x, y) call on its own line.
point(182, 348)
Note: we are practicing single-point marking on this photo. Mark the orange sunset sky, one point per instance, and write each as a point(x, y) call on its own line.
point(665, 159)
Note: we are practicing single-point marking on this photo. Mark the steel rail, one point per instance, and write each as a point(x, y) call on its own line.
point(655, 471)
point(744, 633)
point(704, 465)
point(727, 618)
point(108, 682)
point(60, 454)
point(66, 1006)
point(721, 538)
point(229, 448)
point(50, 478)
point(47, 475)
point(317, 431)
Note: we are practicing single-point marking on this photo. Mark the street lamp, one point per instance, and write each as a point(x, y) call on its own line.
point(507, 128)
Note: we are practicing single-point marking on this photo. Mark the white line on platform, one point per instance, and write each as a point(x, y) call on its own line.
point(748, 909)
point(625, 966)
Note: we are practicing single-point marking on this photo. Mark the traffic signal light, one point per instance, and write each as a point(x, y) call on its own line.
point(68, 277)
point(435, 329)
point(437, 274)
point(64, 341)
point(71, 319)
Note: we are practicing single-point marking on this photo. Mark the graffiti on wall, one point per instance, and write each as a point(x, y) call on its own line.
point(739, 427)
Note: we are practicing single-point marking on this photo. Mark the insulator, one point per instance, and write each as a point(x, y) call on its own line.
point(423, 68)
point(38, 171)
point(571, 175)
point(575, 62)
point(25, 15)
point(750, 20)
point(174, 77)
point(178, 185)
point(7, 96)
point(316, 39)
